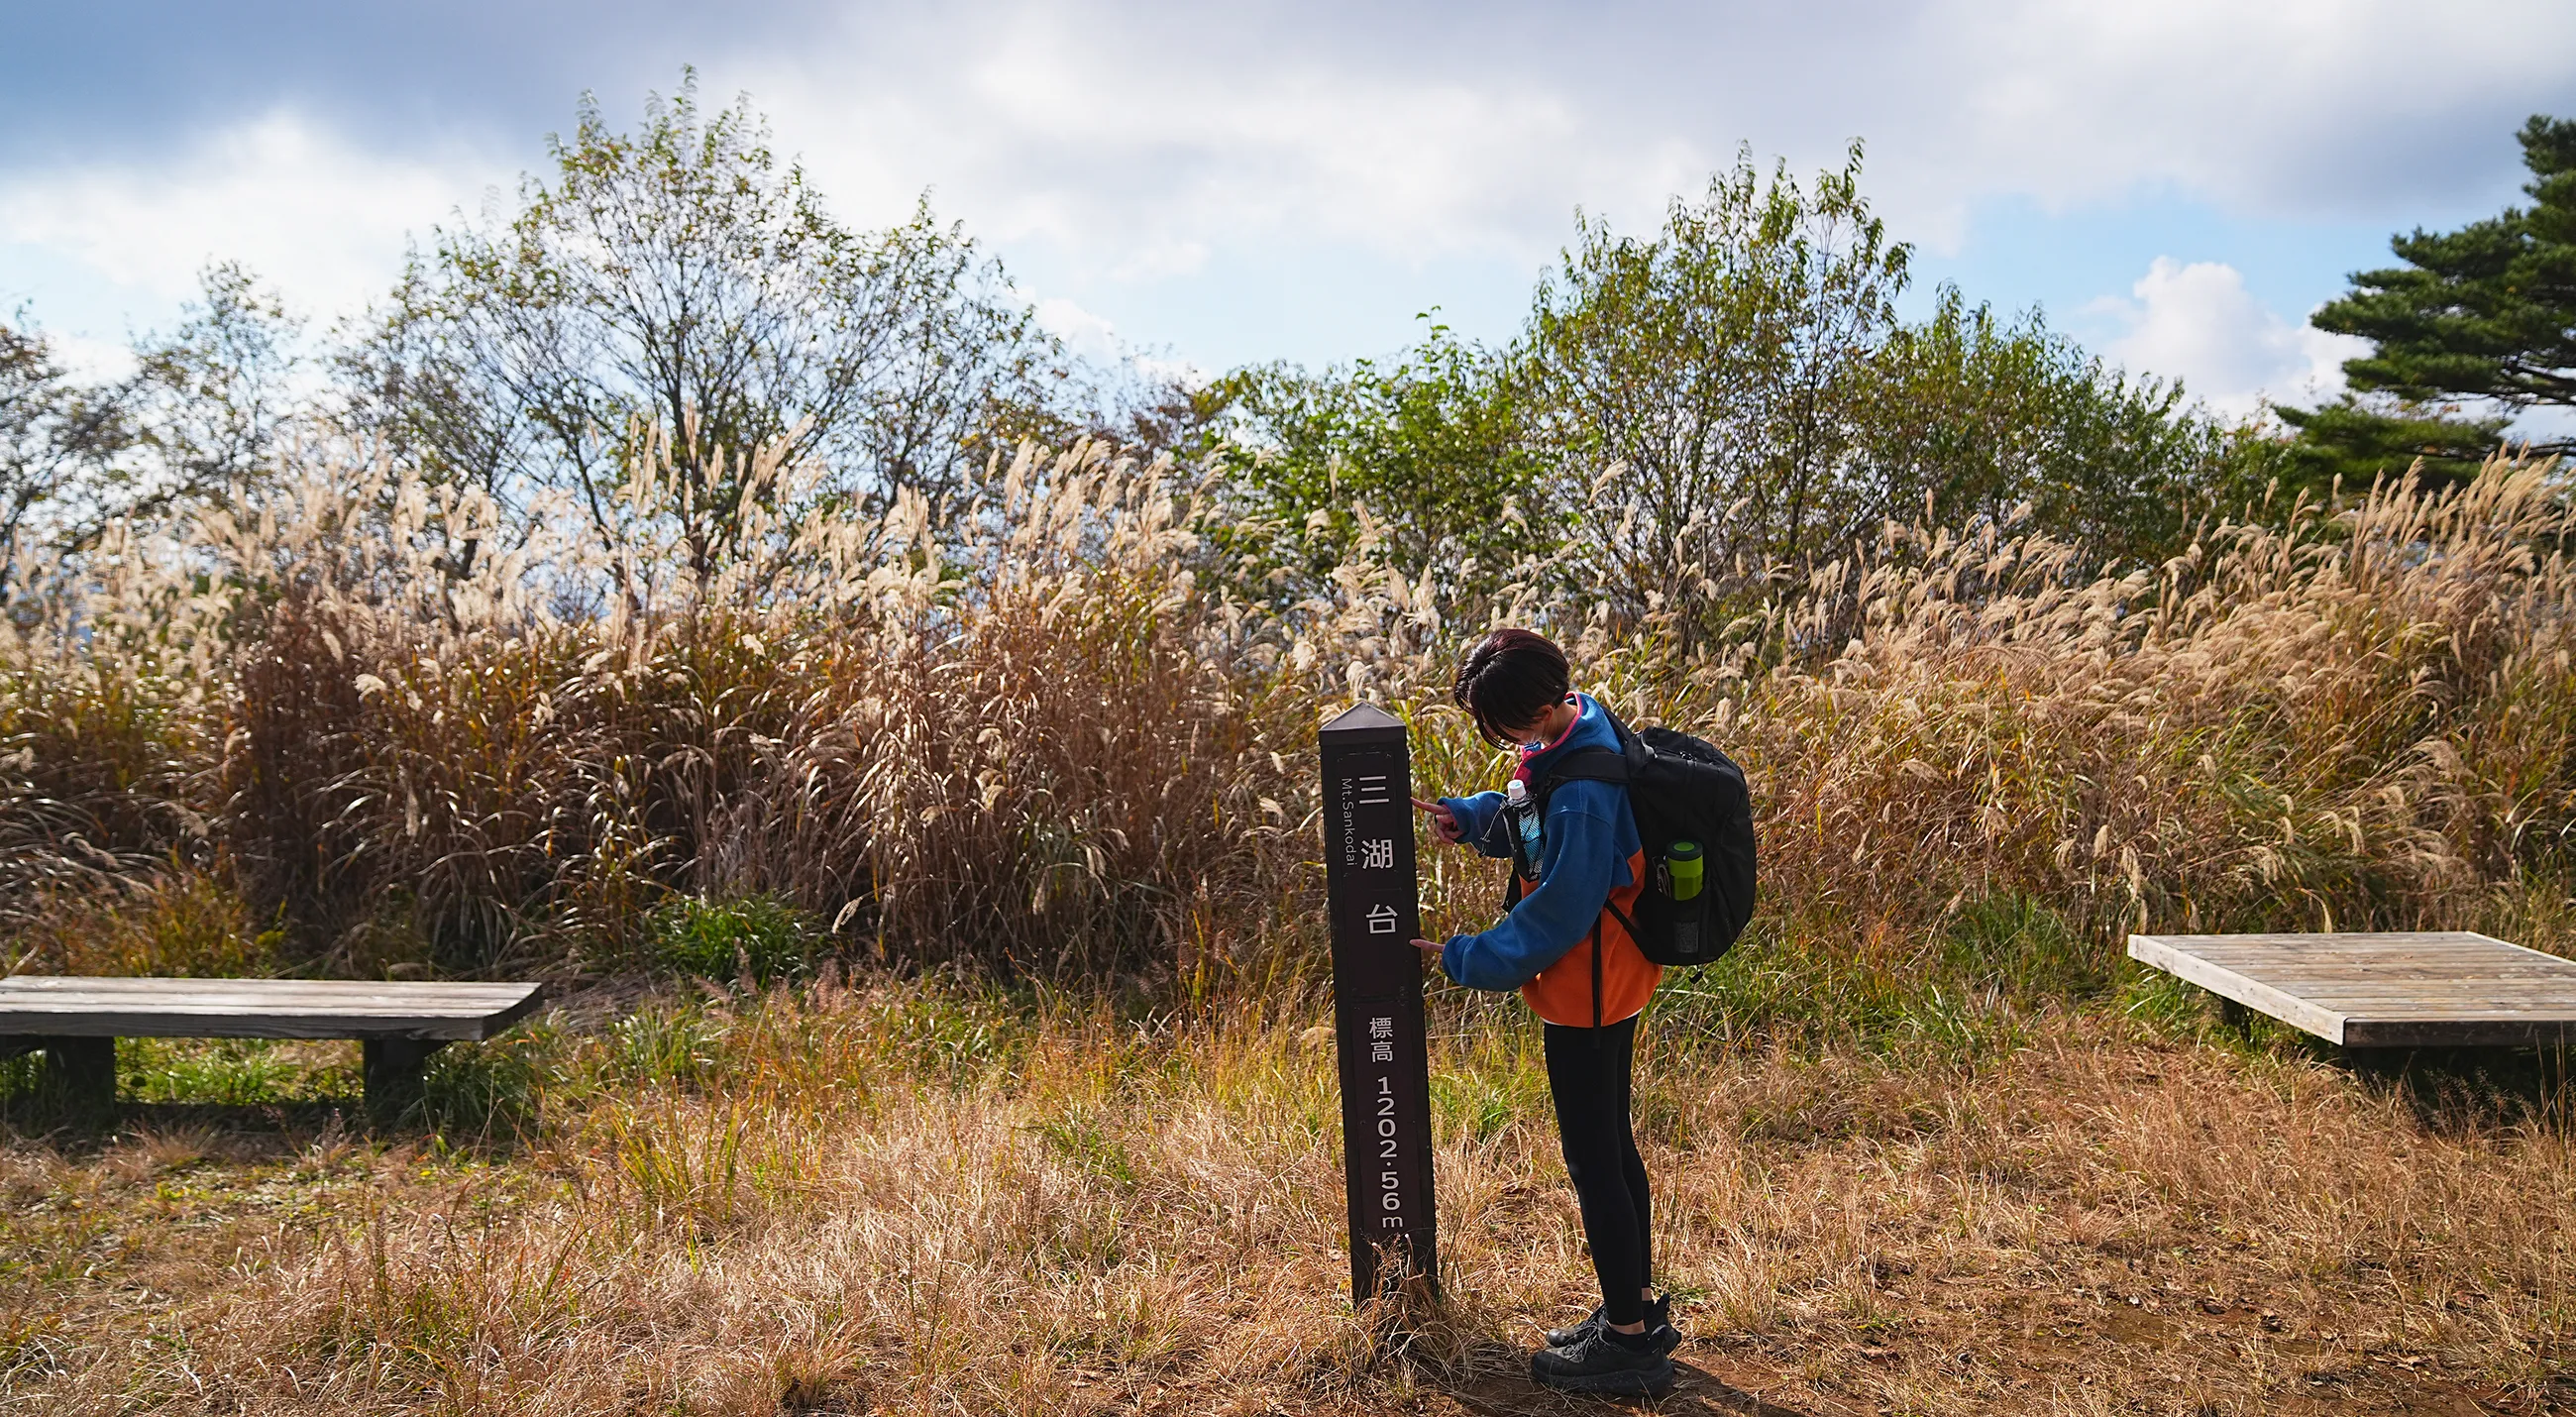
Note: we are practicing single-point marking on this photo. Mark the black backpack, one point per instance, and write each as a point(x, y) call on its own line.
point(1680, 788)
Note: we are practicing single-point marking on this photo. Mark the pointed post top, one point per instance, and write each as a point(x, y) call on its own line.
point(1364, 718)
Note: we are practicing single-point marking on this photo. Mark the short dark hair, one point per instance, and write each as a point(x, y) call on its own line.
point(1508, 680)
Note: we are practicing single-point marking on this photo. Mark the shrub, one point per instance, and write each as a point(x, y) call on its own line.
point(756, 937)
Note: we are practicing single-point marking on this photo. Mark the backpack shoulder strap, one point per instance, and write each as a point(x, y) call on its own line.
point(1589, 765)
point(1580, 765)
point(1619, 765)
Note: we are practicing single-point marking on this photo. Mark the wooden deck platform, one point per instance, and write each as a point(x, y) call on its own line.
point(2432, 989)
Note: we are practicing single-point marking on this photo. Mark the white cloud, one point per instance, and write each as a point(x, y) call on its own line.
point(1096, 339)
point(1084, 333)
point(2316, 108)
point(1151, 128)
point(2199, 324)
point(1242, 133)
point(1201, 151)
point(92, 360)
point(296, 203)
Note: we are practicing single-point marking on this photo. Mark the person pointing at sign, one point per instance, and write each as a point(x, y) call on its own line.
point(1577, 863)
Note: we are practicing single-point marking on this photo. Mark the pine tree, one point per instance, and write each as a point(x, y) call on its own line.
point(2486, 313)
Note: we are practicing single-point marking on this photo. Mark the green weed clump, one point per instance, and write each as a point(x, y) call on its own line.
point(234, 1071)
point(757, 938)
point(2019, 946)
point(499, 1090)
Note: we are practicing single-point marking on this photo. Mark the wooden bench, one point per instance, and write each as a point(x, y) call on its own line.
point(2400, 989)
point(75, 1022)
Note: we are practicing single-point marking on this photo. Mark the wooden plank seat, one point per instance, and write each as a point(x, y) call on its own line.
point(75, 1022)
point(2395, 989)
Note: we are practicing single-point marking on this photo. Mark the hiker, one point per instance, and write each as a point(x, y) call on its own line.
point(1565, 944)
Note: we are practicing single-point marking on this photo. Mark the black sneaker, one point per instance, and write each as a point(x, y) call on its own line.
point(1659, 1326)
point(1599, 1362)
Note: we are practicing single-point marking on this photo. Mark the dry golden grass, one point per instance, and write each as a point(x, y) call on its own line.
point(1051, 738)
point(894, 1200)
point(2359, 721)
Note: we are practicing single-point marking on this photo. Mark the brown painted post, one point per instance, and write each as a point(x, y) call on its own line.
point(1385, 1067)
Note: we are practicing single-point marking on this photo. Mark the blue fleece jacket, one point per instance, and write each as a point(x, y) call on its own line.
point(1586, 843)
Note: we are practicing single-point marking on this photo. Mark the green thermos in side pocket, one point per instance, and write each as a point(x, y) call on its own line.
point(1682, 861)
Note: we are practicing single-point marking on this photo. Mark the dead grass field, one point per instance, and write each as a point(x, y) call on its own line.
point(914, 1200)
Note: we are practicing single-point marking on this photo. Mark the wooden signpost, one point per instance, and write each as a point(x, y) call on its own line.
point(1377, 1002)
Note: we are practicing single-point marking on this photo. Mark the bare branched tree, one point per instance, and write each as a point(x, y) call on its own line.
point(57, 439)
point(678, 288)
point(215, 398)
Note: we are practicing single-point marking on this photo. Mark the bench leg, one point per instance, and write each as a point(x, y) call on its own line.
point(392, 1067)
point(80, 1071)
point(2233, 1015)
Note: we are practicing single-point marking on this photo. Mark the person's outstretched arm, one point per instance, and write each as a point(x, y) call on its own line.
point(1575, 880)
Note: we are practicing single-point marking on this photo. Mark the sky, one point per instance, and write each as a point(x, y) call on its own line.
point(2175, 184)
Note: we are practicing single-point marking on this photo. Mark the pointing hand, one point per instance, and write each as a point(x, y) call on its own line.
point(1443, 822)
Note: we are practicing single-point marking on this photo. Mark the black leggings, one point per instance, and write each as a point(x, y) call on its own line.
point(1588, 1077)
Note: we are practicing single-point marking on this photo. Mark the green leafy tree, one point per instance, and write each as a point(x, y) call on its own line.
point(1721, 364)
point(2486, 313)
point(1969, 416)
point(677, 287)
point(202, 413)
point(1432, 446)
point(1692, 419)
